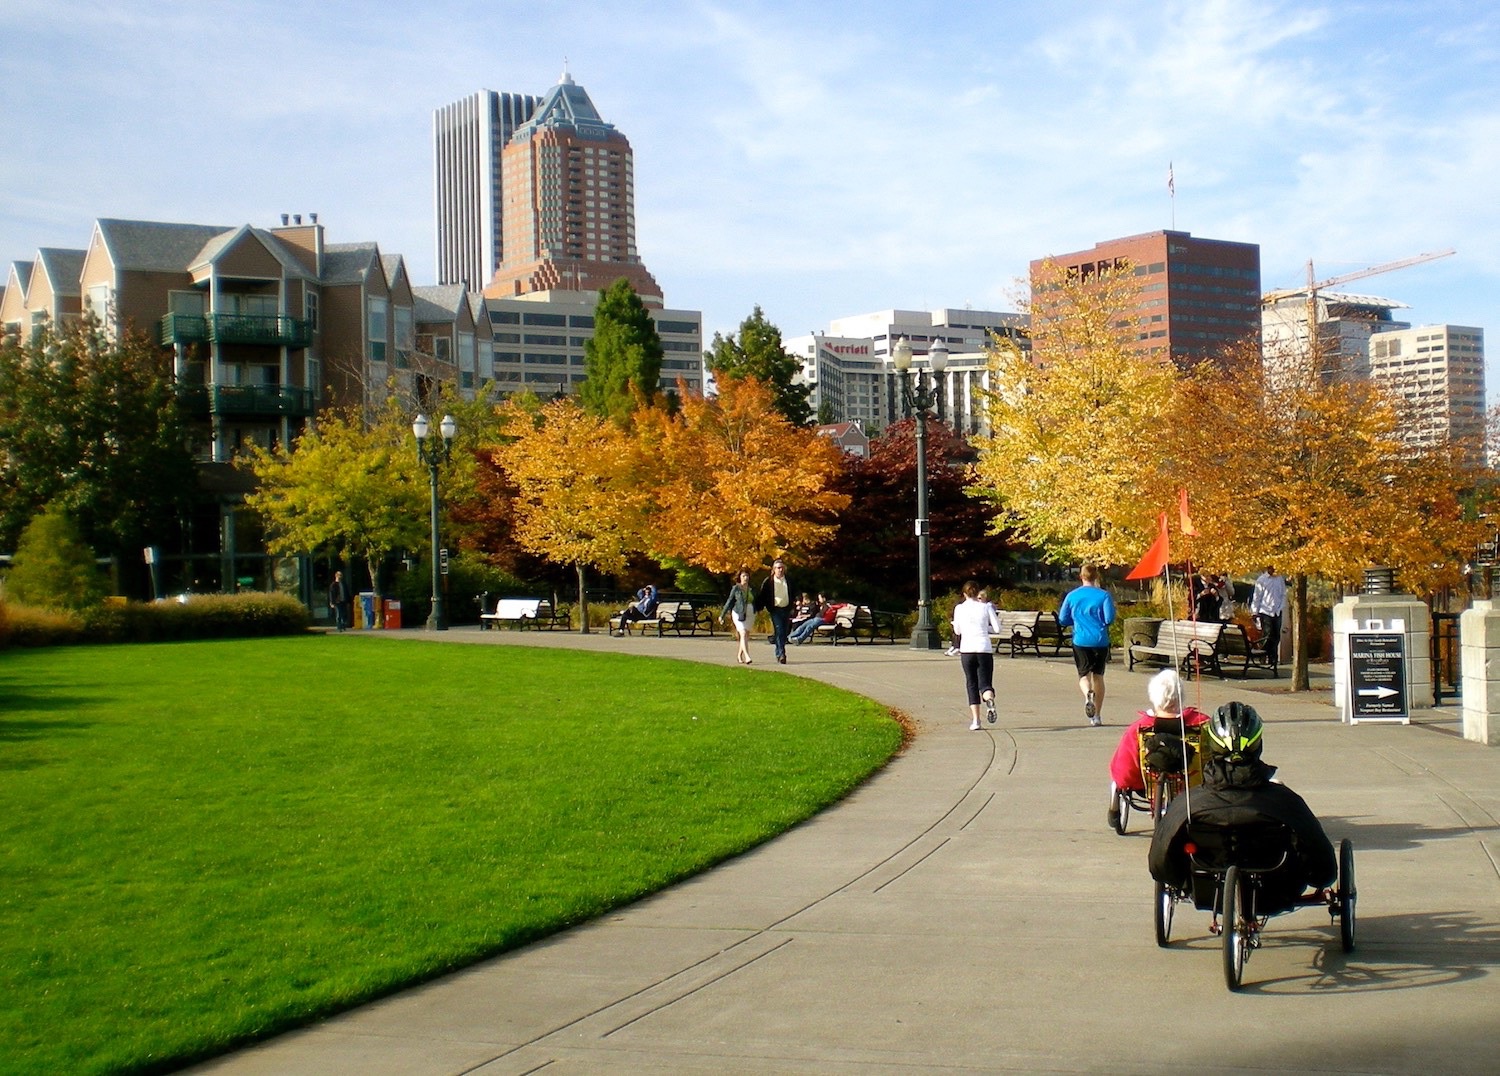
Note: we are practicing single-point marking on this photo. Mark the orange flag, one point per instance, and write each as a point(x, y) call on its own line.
point(1187, 521)
point(1156, 557)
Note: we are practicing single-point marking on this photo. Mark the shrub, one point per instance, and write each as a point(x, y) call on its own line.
point(203, 616)
point(53, 567)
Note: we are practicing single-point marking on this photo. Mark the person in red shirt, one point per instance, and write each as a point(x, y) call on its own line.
point(1165, 693)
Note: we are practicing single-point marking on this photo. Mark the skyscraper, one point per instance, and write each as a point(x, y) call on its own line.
point(1198, 296)
point(567, 204)
point(467, 137)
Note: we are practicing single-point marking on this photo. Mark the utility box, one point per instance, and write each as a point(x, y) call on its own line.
point(392, 614)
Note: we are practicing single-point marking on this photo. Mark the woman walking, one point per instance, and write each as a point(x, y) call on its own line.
point(974, 621)
point(741, 607)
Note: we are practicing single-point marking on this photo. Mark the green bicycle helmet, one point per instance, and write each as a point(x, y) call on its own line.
point(1234, 732)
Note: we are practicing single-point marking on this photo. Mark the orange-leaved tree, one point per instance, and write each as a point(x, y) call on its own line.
point(1293, 464)
point(579, 499)
point(735, 483)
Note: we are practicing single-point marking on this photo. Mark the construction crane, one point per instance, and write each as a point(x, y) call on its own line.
point(1315, 286)
point(1270, 298)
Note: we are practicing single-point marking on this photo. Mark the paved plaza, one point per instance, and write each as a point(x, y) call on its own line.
point(968, 910)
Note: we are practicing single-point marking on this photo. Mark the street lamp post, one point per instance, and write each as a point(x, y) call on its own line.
point(434, 456)
point(920, 398)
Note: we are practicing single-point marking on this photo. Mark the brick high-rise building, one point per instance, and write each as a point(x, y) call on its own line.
point(567, 204)
point(1198, 296)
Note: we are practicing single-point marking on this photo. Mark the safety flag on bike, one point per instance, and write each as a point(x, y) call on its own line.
point(1156, 557)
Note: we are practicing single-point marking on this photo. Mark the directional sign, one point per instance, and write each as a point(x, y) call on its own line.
point(1377, 681)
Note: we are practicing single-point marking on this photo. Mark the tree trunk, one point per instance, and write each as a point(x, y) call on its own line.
point(1298, 608)
point(583, 602)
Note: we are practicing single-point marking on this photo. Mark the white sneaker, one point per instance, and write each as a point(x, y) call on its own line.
point(975, 726)
point(952, 650)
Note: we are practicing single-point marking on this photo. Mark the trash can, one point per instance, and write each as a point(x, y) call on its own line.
point(367, 607)
point(392, 614)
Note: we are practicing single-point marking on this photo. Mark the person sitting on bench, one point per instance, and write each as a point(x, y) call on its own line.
point(643, 608)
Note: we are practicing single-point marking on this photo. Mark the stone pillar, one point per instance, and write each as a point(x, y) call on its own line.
point(1350, 617)
point(1479, 653)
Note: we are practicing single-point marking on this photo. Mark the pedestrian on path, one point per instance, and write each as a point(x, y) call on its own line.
point(1089, 610)
point(777, 599)
point(974, 621)
point(740, 607)
point(339, 599)
point(1267, 603)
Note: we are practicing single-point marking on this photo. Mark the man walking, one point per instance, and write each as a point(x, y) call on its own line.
point(1267, 603)
point(1090, 611)
point(776, 598)
point(338, 601)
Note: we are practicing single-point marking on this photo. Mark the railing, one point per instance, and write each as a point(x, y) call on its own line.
point(246, 400)
point(269, 330)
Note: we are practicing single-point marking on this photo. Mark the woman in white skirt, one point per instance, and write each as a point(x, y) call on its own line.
point(741, 607)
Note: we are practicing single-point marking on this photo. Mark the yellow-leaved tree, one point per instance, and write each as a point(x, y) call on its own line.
point(579, 500)
point(1073, 457)
point(734, 483)
point(347, 483)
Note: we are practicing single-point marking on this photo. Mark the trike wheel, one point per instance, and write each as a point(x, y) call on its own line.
point(1346, 894)
point(1233, 922)
point(1119, 810)
point(1165, 902)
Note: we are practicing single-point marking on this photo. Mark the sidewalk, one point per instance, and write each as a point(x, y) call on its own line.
point(967, 909)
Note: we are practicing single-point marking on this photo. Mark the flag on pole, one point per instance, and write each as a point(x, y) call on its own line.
point(1187, 521)
point(1171, 183)
point(1156, 557)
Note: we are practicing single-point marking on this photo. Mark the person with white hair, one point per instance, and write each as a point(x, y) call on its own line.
point(1165, 694)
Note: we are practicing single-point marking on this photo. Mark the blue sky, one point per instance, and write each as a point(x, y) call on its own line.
point(816, 159)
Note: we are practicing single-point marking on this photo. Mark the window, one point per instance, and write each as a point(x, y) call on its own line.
point(312, 310)
point(376, 319)
point(677, 327)
point(442, 349)
point(405, 336)
point(557, 320)
point(97, 303)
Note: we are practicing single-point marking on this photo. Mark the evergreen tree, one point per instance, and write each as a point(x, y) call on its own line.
point(758, 353)
point(623, 360)
point(54, 568)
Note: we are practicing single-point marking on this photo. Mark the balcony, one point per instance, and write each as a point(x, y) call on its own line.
point(265, 330)
point(246, 400)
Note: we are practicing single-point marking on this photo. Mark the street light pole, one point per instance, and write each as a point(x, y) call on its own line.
point(921, 398)
point(434, 456)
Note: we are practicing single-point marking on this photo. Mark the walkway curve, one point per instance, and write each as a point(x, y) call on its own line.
point(967, 910)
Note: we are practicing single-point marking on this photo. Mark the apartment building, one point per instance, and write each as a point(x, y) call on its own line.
point(1438, 370)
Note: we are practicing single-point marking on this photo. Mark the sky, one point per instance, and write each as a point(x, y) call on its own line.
point(815, 159)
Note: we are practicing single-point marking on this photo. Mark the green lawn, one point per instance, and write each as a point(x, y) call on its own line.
point(207, 842)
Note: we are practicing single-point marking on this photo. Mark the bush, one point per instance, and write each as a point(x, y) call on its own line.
point(53, 567)
point(203, 616)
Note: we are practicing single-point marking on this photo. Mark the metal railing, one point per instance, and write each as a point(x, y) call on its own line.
point(268, 330)
point(246, 400)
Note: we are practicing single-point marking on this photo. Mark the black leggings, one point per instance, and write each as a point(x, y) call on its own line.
point(979, 674)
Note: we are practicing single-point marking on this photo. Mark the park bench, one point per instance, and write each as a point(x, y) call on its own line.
point(1050, 633)
point(527, 612)
point(859, 623)
point(1194, 645)
point(678, 617)
point(1018, 630)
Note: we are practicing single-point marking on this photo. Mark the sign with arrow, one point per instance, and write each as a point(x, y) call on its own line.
point(1377, 677)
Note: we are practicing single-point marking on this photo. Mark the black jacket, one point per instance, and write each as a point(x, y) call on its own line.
point(1242, 793)
point(765, 598)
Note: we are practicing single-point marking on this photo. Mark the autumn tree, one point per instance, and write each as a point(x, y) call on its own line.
point(622, 361)
point(736, 484)
point(1293, 464)
point(878, 543)
point(90, 423)
point(758, 352)
point(347, 485)
point(579, 500)
point(1072, 457)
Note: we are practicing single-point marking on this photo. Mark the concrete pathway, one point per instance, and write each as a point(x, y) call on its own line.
point(968, 910)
